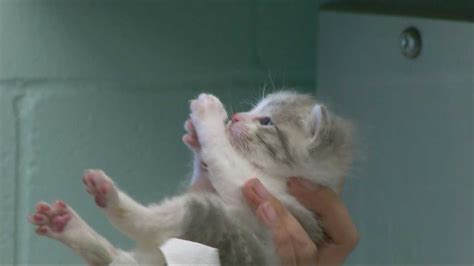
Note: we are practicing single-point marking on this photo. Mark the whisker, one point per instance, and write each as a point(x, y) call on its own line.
point(271, 80)
point(263, 92)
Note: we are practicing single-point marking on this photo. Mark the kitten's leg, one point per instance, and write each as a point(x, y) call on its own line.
point(200, 178)
point(122, 211)
point(148, 226)
point(228, 170)
point(185, 216)
point(59, 221)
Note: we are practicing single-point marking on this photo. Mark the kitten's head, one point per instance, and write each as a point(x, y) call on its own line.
point(290, 134)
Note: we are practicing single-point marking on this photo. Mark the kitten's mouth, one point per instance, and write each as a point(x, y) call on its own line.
point(238, 135)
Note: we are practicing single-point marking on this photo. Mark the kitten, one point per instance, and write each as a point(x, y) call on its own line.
point(285, 134)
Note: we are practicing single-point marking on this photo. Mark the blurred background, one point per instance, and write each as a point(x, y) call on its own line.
point(105, 84)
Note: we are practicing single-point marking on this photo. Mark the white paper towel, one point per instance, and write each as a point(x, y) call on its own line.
point(183, 252)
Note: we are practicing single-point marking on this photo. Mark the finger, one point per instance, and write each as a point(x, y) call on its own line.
point(332, 254)
point(294, 228)
point(261, 195)
point(339, 226)
point(314, 197)
point(282, 239)
point(334, 216)
point(291, 241)
point(305, 249)
point(252, 198)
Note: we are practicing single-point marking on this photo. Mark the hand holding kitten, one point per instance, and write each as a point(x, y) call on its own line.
point(291, 241)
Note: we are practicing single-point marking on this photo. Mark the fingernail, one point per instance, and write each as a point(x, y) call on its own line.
point(269, 212)
point(259, 189)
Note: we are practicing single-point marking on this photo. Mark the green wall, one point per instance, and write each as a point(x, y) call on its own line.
point(412, 194)
point(105, 84)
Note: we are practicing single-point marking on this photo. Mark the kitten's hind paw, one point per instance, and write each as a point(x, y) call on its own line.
point(50, 219)
point(101, 187)
point(57, 221)
point(60, 222)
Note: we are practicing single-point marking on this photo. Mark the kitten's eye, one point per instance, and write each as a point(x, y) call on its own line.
point(265, 121)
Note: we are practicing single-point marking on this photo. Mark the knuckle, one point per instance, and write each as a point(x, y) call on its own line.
point(308, 249)
point(352, 239)
point(304, 244)
point(282, 239)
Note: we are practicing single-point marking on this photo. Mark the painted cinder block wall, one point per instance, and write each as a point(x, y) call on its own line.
point(412, 198)
point(105, 84)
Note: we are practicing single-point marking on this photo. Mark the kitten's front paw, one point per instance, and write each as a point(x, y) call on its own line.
point(207, 105)
point(101, 187)
point(191, 138)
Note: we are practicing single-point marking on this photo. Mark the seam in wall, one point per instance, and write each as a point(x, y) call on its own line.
point(22, 182)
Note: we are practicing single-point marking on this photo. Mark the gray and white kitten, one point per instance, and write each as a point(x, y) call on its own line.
point(285, 134)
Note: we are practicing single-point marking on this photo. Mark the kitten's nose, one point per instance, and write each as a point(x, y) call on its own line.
point(236, 118)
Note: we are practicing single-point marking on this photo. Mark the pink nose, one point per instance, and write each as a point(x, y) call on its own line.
point(236, 118)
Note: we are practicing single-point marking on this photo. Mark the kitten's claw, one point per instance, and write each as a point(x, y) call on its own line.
point(208, 105)
point(101, 187)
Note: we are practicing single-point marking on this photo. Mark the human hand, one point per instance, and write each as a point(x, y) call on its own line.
point(292, 243)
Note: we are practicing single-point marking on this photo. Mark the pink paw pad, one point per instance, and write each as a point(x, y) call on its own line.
point(50, 218)
point(98, 185)
point(60, 222)
point(42, 230)
point(38, 218)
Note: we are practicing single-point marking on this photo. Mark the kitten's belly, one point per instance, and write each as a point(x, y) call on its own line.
point(239, 237)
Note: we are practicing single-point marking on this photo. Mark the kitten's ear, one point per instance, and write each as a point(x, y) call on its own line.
point(319, 123)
